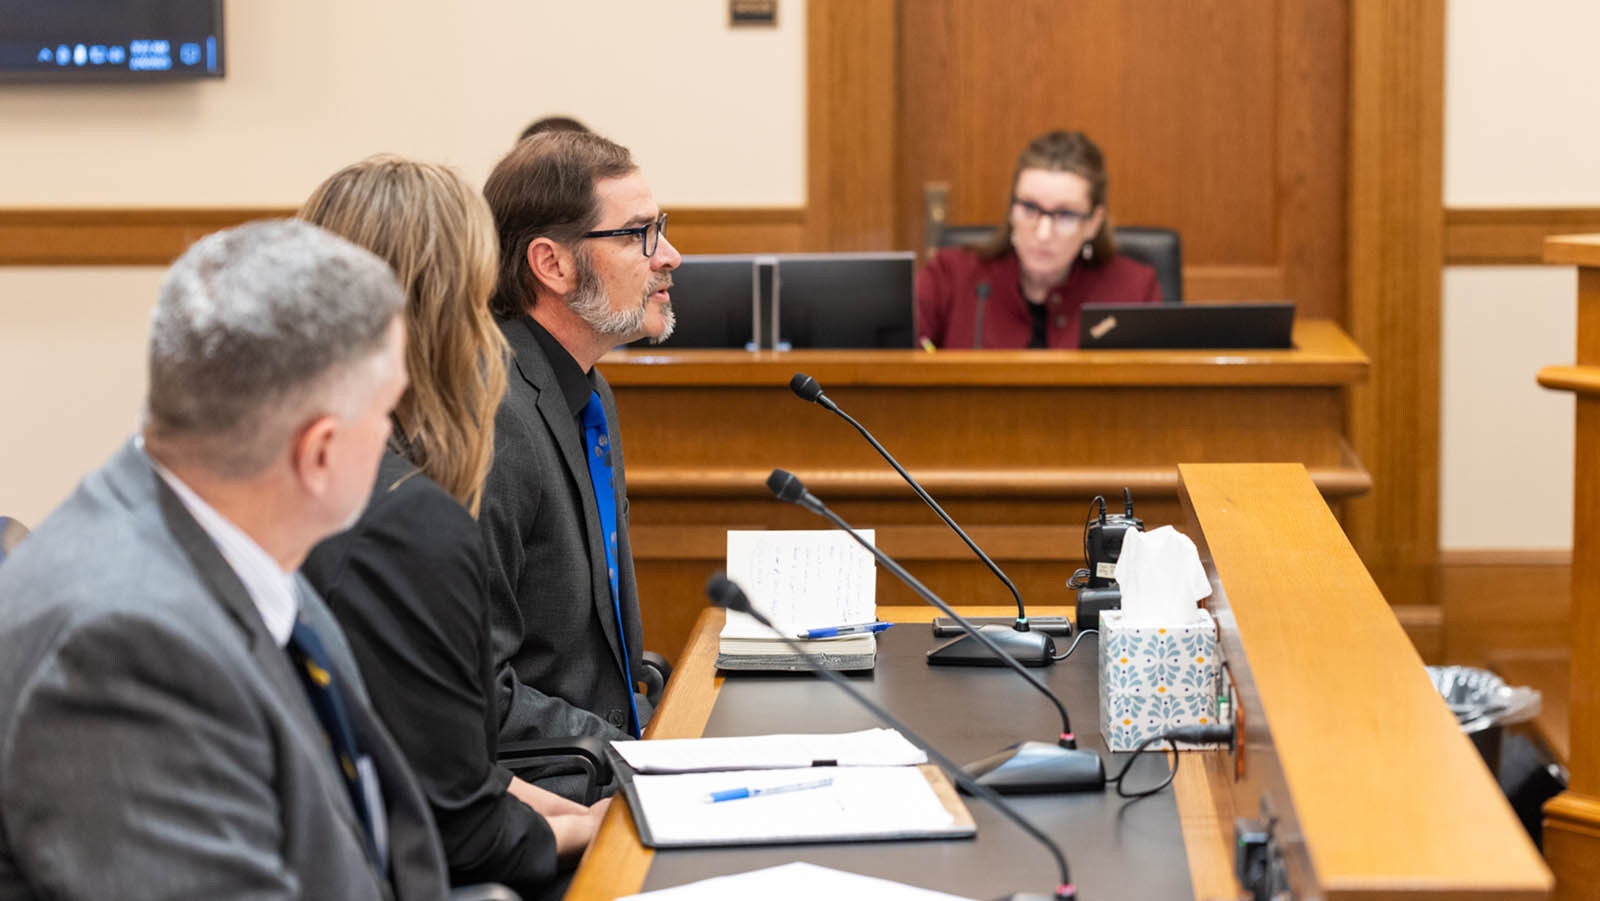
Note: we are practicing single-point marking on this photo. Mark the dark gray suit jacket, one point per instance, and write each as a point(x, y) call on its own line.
point(154, 739)
point(553, 627)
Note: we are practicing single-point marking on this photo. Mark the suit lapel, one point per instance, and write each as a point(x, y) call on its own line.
point(223, 584)
point(535, 369)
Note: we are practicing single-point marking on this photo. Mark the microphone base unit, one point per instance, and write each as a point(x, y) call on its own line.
point(1027, 648)
point(1055, 626)
point(1094, 601)
point(1039, 768)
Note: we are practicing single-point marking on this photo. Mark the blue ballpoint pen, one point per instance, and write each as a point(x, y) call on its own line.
point(831, 631)
point(734, 794)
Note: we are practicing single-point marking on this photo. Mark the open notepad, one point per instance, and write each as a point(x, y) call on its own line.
point(855, 804)
point(801, 580)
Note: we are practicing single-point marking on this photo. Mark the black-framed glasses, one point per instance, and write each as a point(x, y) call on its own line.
point(1063, 220)
point(649, 234)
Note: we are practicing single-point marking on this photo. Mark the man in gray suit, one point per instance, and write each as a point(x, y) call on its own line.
point(584, 268)
point(172, 697)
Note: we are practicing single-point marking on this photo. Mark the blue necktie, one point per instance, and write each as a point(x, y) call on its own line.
point(327, 699)
point(598, 441)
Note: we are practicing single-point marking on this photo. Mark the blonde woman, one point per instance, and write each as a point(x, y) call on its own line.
point(407, 581)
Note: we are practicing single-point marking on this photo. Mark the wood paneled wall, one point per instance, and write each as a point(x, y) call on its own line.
point(1396, 124)
point(1221, 118)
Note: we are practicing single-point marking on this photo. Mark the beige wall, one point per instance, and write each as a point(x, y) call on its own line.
point(1521, 126)
point(716, 117)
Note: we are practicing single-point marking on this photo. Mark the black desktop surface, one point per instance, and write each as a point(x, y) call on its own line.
point(1198, 326)
point(846, 300)
point(1116, 848)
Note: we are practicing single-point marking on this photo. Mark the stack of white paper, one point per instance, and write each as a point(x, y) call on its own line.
point(793, 880)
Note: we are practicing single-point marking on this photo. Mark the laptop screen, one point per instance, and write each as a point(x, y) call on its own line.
point(1207, 326)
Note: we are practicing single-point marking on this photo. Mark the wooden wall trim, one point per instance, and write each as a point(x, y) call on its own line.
point(852, 95)
point(1396, 256)
point(136, 236)
point(1510, 236)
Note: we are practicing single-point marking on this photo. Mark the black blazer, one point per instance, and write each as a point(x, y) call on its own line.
point(407, 585)
point(550, 602)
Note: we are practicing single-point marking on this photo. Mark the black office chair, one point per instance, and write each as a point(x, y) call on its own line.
point(582, 755)
point(1158, 248)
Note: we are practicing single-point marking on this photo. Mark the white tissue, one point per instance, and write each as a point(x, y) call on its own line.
point(1161, 577)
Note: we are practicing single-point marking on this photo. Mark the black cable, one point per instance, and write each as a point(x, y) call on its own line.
point(1074, 645)
point(1193, 735)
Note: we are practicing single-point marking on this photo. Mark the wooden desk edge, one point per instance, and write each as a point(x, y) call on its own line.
point(616, 863)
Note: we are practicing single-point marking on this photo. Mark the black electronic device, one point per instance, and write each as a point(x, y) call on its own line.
point(129, 41)
point(727, 594)
point(1102, 547)
point(1068, 768)
point(844, 300)
point(1102, 540)
point(1195, 326)
point(717, 302)
point(1030, 646)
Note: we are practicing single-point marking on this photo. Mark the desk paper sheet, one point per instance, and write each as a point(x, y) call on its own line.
point(793, 880)
point(869, 747)
point(862, 802)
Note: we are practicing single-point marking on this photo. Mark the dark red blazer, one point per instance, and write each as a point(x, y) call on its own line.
point(963, 301)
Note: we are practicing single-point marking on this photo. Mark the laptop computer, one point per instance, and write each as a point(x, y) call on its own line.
point(1205, 326)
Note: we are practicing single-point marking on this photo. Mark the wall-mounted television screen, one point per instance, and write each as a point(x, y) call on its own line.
point(110, 40)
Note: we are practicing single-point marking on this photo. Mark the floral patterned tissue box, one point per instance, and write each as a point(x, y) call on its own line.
point(1155, 678)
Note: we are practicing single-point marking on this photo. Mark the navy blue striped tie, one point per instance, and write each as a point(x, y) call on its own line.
point(327, 699)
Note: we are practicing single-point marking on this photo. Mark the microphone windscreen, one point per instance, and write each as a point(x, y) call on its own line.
point(726, 593)
point(805, 387)
point(785, 486)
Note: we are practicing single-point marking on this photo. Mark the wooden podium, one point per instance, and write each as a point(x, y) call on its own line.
point(1572, 819)
point(1013, 444)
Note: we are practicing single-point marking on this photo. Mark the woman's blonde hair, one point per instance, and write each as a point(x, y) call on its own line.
point(437, 234)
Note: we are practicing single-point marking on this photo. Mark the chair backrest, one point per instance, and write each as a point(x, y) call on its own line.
point(11, 534)
point(1158, 248)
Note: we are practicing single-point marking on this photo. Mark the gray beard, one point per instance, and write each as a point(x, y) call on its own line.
point(593, 305)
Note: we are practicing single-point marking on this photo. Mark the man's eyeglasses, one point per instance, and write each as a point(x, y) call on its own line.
point(1027, 213)
point(649, 234)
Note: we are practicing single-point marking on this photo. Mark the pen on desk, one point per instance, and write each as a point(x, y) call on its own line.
point(927, 345)
point(856, 629)
point(734, 794)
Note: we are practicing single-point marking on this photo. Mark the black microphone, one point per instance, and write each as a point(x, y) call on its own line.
point(1030, 647)
point(1032, 767)
point(727, 594)
point(982, 293)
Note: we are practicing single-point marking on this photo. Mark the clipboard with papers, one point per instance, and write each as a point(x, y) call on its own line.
point(781, 789)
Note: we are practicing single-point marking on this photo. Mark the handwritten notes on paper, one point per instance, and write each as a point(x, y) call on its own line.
point(801, 579)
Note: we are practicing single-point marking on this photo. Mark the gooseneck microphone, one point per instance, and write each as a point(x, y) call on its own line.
point(1027, 646)
point(727, 594)
point(1033, 767)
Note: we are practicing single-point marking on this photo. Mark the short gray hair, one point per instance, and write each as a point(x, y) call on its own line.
point(251, 324)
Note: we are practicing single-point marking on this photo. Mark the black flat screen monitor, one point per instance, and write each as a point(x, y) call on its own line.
point(845, 299)
point(1201, 326)
point(126, 41)
point(714, 300)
